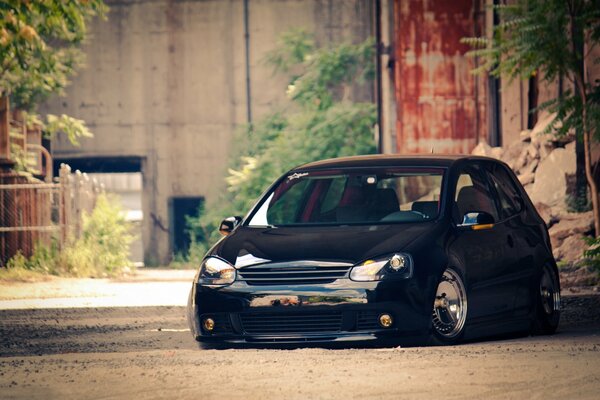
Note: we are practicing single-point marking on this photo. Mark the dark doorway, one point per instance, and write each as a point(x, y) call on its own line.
point(179, 209)
point(100, 164)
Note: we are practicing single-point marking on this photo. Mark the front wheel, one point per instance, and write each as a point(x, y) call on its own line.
point(449, 308)
point(547, 303)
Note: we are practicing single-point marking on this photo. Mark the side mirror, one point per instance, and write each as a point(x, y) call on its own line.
point(477, 220)
point(229, 224)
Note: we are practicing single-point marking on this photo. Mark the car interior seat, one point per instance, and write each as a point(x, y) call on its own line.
point(428, 208)
point(352, 205)
point(471, 198)
point(383, 202)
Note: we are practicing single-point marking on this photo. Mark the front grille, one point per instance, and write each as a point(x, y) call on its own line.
point(296, 273)
point(279, 323)
point(367, 320)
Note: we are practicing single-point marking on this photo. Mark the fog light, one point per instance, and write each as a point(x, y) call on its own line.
point(208, 324)
point(386, 320)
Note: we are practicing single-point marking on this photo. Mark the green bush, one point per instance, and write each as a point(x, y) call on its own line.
point(321, 123)
point(101, 251)
point(103, 248)
point(579, 202)
point(593, 252)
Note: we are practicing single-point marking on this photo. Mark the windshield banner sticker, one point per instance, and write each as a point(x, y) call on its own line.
point(297, 175)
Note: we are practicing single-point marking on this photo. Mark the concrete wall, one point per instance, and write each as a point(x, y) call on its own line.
point(166, 81)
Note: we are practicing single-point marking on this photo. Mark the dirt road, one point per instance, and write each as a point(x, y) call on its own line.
point(146, 352)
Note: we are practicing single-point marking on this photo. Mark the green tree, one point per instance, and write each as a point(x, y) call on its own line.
point(552, 38)
point(39, 51)
point(321, 122)
point(39, 45)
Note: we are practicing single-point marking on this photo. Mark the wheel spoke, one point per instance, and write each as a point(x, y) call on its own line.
point(449, 309)
point(549, 293)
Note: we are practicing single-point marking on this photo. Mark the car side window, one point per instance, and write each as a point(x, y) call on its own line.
point(473, 194)
point(508, 196)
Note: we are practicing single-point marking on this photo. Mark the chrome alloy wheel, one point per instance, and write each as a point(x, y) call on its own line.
point(549, 293)
point(450, 305)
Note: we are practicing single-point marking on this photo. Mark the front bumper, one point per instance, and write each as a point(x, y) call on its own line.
point(342, 311)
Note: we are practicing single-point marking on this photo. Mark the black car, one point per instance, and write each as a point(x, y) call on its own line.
point(390, 249)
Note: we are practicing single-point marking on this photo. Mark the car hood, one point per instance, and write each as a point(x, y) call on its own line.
point(351, 244)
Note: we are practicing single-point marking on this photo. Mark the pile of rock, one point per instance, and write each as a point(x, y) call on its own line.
point(546, 167)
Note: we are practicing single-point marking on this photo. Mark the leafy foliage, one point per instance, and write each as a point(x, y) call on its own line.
point(324, 124)
point(73, 128)
point(39, 45)
point(541, 37)
point(578, 202)
point(593, 252)
point(104, 242)
point(39, 50)
point(102, 250)
point(293, 47)
point(552, 38)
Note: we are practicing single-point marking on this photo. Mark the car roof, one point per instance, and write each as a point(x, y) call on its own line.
point(391, 160)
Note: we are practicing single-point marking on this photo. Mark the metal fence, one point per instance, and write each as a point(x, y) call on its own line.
point(44, 213)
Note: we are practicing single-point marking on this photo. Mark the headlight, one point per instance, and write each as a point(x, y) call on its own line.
point(398, 265)
point(215, 271)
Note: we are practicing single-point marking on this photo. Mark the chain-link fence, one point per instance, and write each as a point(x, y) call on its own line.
point(30, 214)
point(34, 214)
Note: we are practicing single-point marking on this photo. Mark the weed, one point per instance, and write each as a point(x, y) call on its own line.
point(102, 250)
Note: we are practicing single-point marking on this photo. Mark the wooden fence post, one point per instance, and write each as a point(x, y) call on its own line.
point(64, 178)
point(4, 128)
point(77, 203)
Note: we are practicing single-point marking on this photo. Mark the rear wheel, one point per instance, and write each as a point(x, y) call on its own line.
point(547, 303)
point(449, 308)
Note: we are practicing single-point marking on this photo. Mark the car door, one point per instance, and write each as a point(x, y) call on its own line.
point(484, 253)
point(519, 273)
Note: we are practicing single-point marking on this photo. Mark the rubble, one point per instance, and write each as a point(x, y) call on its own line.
point(571, 250)
point(551, 177)
point(539, 132)
point(550, 215)
point(525, 135)
point(571, 225)
point(482, 149)
point(546, 166)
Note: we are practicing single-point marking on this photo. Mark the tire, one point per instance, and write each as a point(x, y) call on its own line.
point(546, 313)
point(449, 313)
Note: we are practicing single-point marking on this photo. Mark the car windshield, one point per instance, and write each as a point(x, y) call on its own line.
point(357, 196)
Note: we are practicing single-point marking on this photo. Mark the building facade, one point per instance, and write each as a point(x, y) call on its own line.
point(168, 83)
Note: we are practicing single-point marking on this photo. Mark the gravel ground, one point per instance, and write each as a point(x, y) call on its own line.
point(147, 352)
point(168, 287)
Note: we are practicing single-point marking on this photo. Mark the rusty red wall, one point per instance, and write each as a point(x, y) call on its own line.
point(439, 102)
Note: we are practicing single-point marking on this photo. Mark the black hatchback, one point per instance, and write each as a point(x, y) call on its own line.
point(390, 249)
